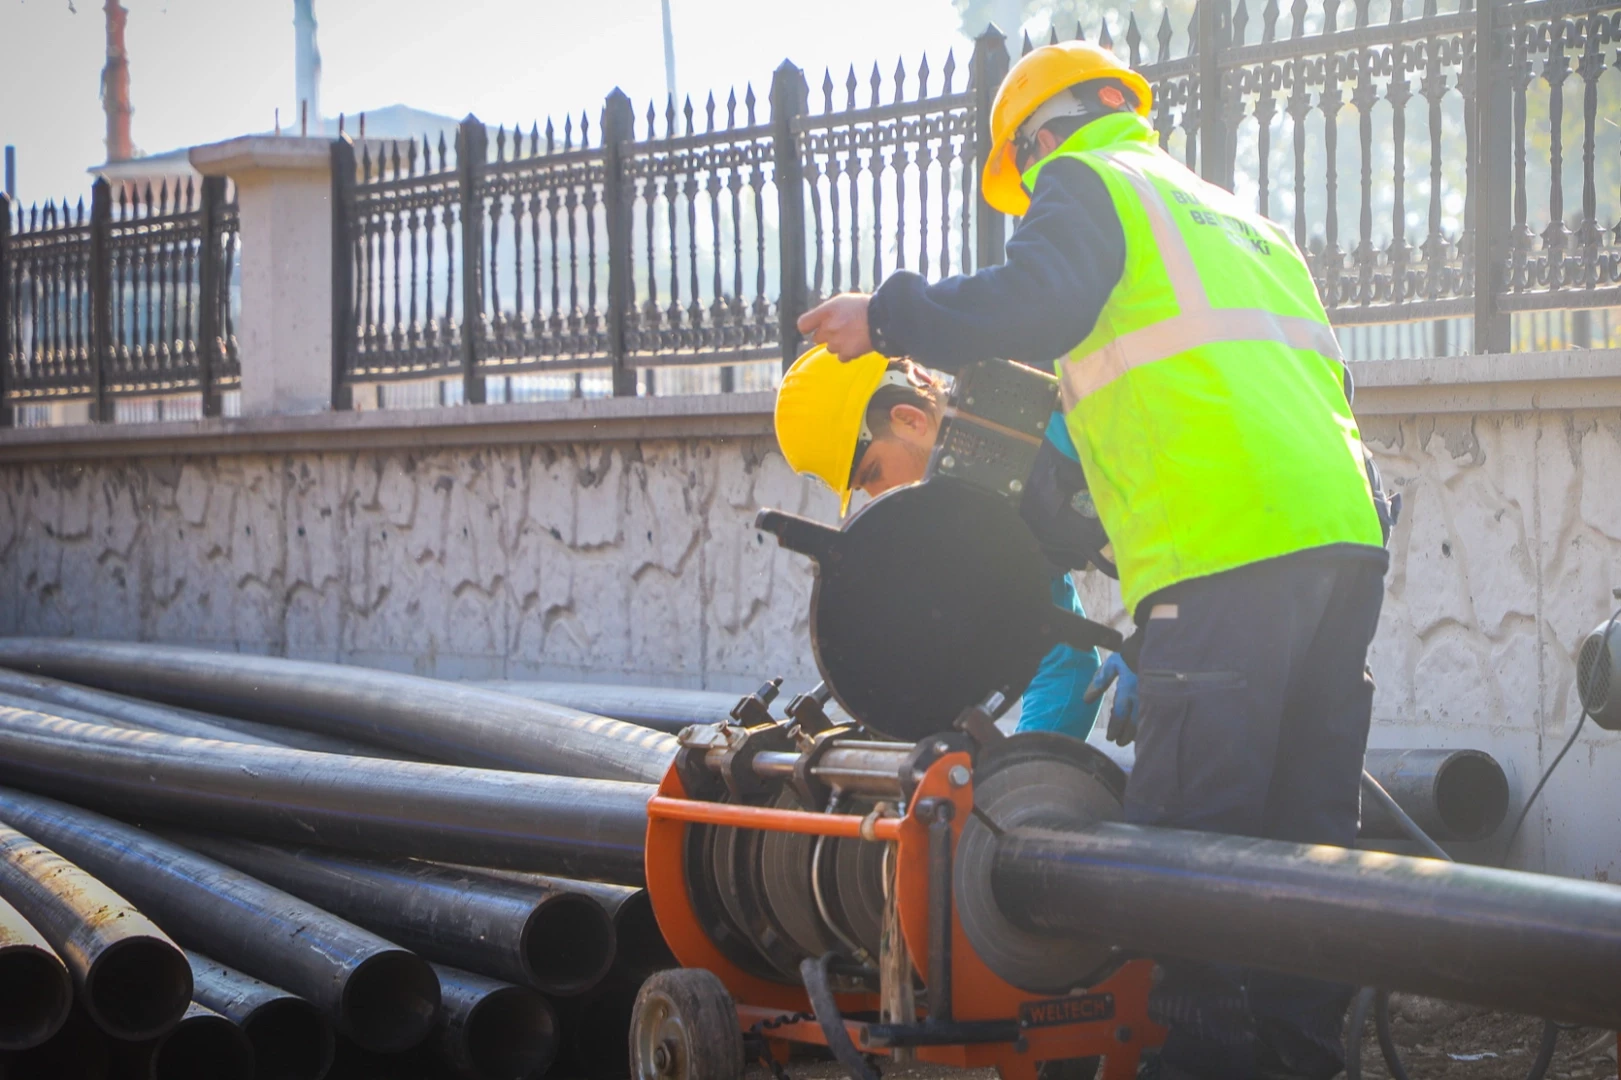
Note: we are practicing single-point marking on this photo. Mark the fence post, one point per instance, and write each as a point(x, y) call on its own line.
point(1493, 174)
point(101, 300)
point(617, 192)
point(788, 96)
point(343, 270)
point(209, 295)
point(985, 74)
point(7, 336)
point(1212, 17)
point(472, 147)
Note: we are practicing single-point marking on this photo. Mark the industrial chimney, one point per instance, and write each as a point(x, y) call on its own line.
point(308, 60)
point(115, 85)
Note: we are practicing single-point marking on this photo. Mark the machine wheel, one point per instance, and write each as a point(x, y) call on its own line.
point(684, 1027)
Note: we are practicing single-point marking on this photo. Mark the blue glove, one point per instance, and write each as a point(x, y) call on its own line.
point(1123, 716)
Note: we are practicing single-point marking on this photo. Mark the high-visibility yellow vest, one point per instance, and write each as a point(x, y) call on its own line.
point(1208, 404)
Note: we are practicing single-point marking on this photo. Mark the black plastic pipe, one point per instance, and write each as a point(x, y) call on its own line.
point(540, 936)
point(121, 710)
point(376, 992)
point(130, 977)
point(492, 1030)
point(562, 825)
point(1504, 939)
point(442, 721)
point(19, 690)
point(652, 707)
point(641, 949)
point(203, 1046)
point(36, 991)
point(291, 1039)
point(1451, 794)
point(659, 708)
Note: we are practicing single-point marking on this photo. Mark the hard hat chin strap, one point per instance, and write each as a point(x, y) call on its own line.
point(1062, 104)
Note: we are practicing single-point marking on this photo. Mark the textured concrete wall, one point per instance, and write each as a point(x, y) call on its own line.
point(636, 561)
point(608, 560)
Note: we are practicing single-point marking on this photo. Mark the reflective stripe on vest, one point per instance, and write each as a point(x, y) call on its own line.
point(1197, 324)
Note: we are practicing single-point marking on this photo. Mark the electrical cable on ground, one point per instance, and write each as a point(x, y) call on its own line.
point(1526, 809)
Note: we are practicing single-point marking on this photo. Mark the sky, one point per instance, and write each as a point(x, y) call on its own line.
point(205, 70)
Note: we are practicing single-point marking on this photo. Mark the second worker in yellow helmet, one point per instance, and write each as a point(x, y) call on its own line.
point(869, 425)
point(1208, 405)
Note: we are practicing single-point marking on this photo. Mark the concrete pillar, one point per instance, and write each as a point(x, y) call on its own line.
point(283, 191)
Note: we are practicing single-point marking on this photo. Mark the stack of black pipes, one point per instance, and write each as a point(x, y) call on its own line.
point(215, 865)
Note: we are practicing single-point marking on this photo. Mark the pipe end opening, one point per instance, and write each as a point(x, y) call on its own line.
point(512, 1034)
point(291, 1040)
point(1471, 795)
point(642, 948)
point(36, 992)
point(204, 1047)
point(568, 944)
point(390, 1001)
point(138, 988)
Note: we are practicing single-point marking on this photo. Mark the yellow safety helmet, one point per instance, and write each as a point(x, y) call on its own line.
point(822, 413)
point(1040, 75)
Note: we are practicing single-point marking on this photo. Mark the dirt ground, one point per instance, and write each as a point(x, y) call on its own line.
point(1438, 1041)
point(1443, 1041)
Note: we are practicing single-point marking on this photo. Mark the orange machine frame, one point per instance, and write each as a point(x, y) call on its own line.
point(977, 993)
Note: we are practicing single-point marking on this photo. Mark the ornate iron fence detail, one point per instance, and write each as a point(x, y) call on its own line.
point(402, 244)
point(132, 298)
point(1404, 156)
point(703, 252)
point(891, 173)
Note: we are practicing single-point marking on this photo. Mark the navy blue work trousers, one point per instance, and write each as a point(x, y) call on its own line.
point(1255, 701)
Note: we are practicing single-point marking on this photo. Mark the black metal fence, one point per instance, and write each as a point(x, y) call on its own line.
point(131, 298)
point(1411, 164)
point(1449, 195)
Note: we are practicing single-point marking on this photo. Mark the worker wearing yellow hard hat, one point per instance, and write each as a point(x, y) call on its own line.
point(1208, 406)
point(869, 425)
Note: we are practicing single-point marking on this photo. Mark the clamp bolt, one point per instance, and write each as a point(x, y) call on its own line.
point(1015, 486)
point(958, 776)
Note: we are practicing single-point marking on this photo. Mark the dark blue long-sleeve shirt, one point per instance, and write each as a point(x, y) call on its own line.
point(1064, 259)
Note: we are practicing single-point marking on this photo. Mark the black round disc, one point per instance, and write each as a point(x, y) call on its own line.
point(1041, 779)
point(931, 598)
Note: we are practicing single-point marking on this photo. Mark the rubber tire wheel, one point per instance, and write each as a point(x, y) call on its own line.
point(689, 1016)
point(1069, 1069)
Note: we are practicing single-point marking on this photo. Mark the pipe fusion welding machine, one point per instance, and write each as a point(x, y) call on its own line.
point(828, 884)
point(912, 884)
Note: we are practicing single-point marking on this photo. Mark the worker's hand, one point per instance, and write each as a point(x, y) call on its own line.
point(1123, 716)
point(841, 324)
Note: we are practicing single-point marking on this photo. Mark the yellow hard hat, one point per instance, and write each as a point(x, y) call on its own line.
point(1039, 75)
point(821, 411)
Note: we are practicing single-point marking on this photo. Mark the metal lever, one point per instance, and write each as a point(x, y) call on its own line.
point(798, 533)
